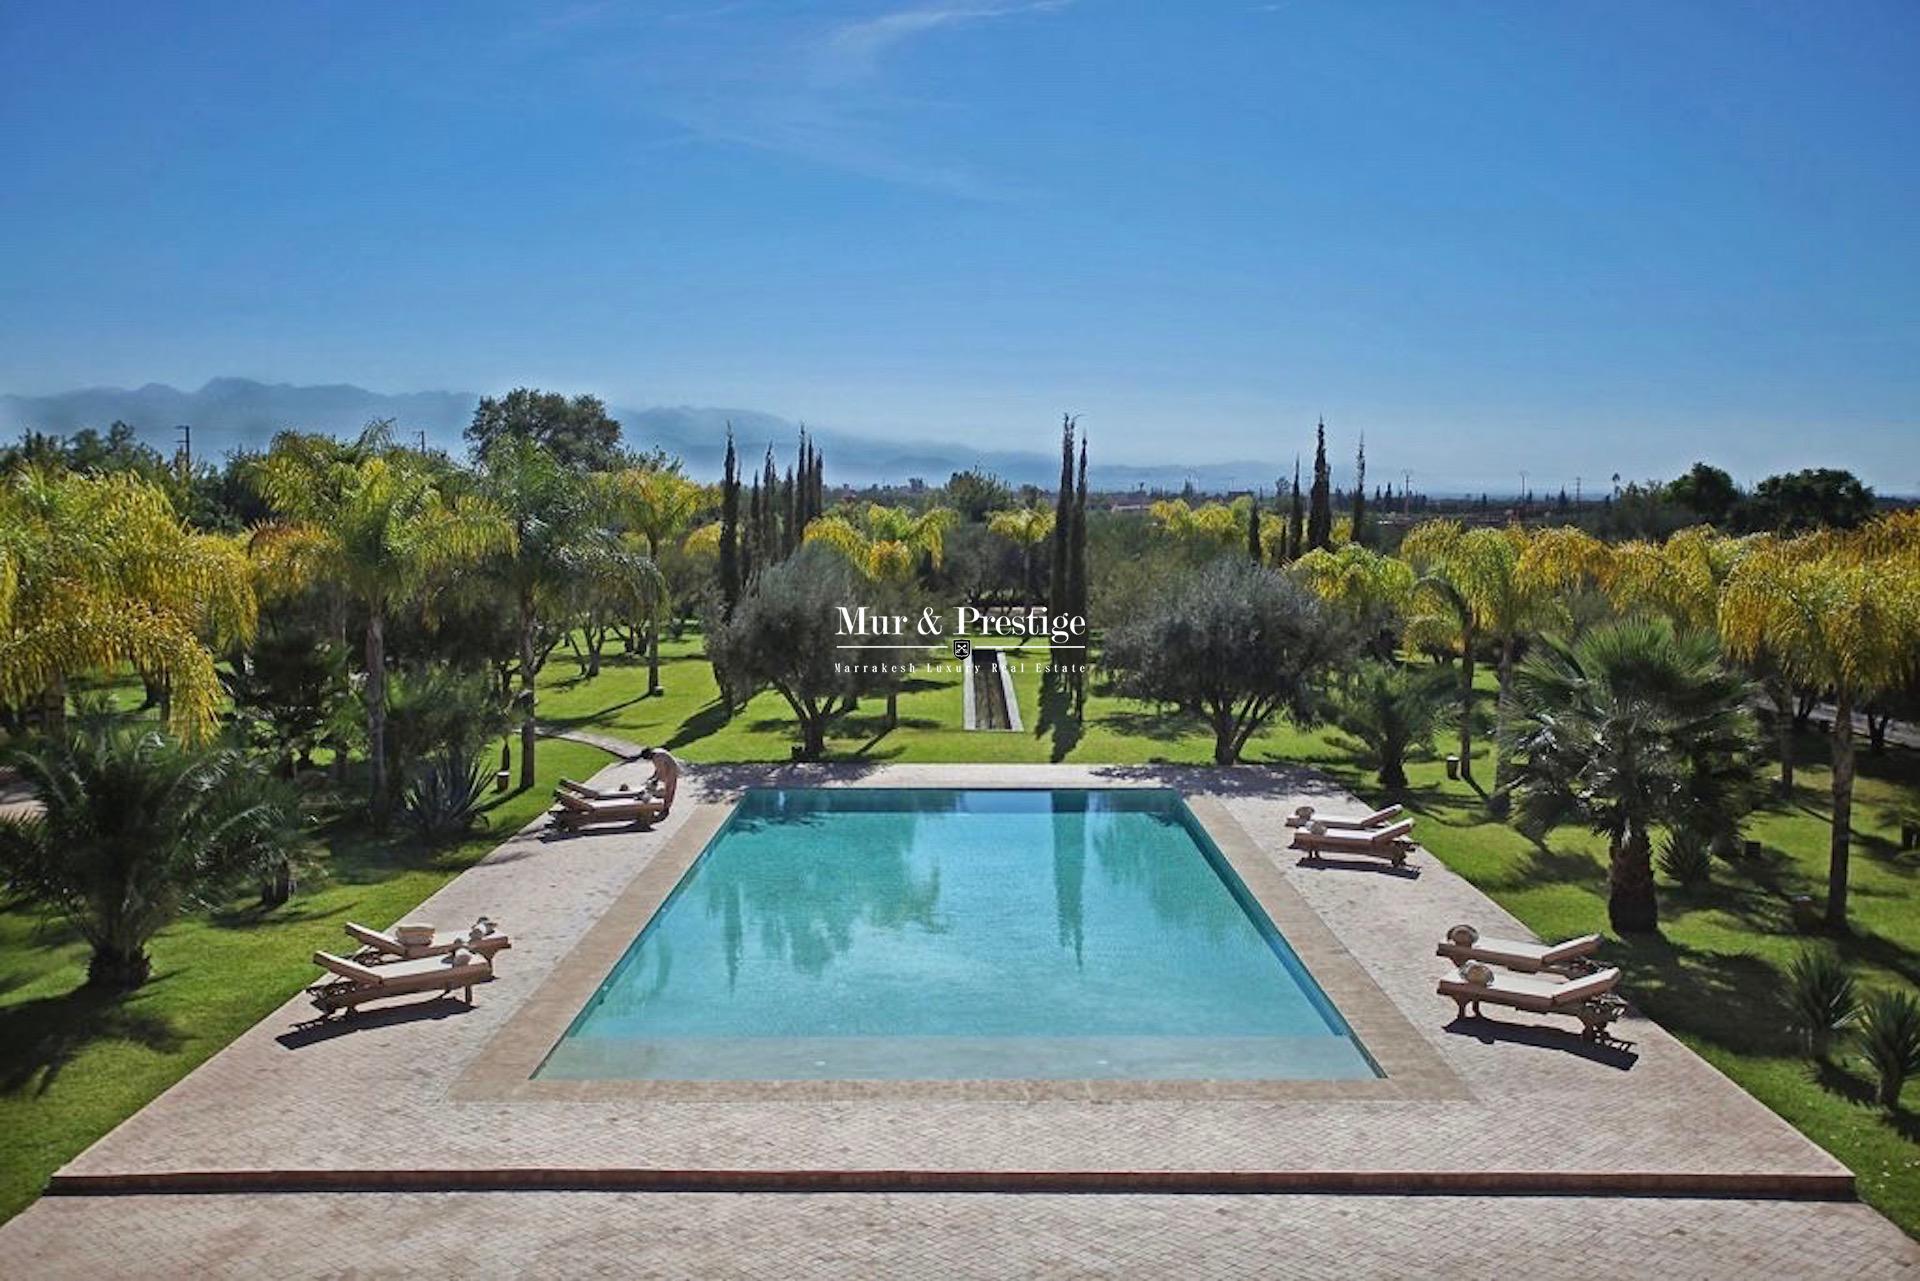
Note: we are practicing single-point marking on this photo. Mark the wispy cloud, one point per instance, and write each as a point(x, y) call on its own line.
point(854, 50)
point(823, 95)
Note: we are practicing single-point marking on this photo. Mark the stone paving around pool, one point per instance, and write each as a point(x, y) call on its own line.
point(1527, 1103)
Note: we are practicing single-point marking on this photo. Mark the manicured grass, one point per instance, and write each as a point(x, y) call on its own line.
point(73, 1064)
point(70, 1067)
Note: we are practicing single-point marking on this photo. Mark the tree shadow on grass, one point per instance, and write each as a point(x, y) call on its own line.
point(1722, 997)
point(1837, 1080)
point(1169, 728)
point(39, 1038)
point(1058, 717)
point(705, 723)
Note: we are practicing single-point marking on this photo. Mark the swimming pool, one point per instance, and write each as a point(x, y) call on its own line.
point(902, 934)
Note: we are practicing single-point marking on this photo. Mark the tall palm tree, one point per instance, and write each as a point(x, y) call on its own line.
point(100, 570)
point(562, 546)
point(658, 505)
point(1504, 585)
point(134, 829)
point(380, 527)
point(885, 543)
point(1838, 612)
point(1026, 528)
point(1633, 727)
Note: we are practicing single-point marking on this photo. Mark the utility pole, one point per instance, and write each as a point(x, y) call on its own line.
point(1576, 491)
point(423, 442)
point(1406, 493)
point(186, 450)
point(1523, 490)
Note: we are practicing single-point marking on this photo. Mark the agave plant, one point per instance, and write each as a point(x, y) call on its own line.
point(1820, 997)
point(443, 800)
point(1687, 857)
point(1890, 1041)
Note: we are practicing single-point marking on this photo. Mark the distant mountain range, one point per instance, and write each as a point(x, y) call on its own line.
point(239, 413)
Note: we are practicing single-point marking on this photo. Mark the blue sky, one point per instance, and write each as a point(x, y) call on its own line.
point(1576, 238)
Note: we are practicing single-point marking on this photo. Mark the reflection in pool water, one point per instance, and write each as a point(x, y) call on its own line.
point(869, 932)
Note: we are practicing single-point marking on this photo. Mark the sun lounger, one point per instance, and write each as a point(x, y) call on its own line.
point(1573, 957)
point(1389, 843)
point(573, 812)
point(354, 984)
point(1307, 816)
point(584, 792)
point(1590, 998)
point(410, 943)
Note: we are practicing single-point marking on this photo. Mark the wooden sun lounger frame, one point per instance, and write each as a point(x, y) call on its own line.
point(1590, 999)
point(1307, 816)
point(1389, 843)
point(354, 984)
point(377, 947)
point(572, 812)
point(1572, 958)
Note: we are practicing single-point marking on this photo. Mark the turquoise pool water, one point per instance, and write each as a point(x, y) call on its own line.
point(850, 933)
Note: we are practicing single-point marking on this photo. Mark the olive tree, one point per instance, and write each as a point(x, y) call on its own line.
point(783, 635)
point(1238, 641)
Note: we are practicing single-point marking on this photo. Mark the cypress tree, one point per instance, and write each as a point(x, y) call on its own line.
point(1057, 598)
point(1253, 528)
point(1296, 517)
point(729, 529)
point(769, 511)
point(750, 551)
point(1360, 496)
point(1077, 575)
point(790, 513)
point(1320, 504)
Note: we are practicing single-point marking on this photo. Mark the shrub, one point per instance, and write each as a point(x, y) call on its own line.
point(1890, 1041)
point(1393, 711)
point(1687, 857)
point(443, 800)
point(1820, 997)
point(440, 712)
point(137, 829)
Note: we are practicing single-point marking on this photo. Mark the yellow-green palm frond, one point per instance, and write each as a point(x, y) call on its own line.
point(1023, 526)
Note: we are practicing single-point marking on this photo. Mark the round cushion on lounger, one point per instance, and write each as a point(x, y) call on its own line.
point(1479, 973)
point(1303, 811)
point(1318, 827)
point(1463, 936)
point(413, 934)
point(459, 956)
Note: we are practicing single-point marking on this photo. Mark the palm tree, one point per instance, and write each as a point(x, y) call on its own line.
point(99, 570)
point(1392, 710)
point(134, 829)
point(1837, 612)
point(658, 504)
point(1633, 727)
point(1026, 528)
point(885, 543)
point(380, 527)
point(1506, 585)
point(562, 547)
point(1372, 590)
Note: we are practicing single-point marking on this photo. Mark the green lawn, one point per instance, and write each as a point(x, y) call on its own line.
point(73, 1064)
point(70, 1067)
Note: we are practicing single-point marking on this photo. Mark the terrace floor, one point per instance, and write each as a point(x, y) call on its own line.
point(395, 1108)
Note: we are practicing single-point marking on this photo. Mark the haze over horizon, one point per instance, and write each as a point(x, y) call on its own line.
point(1573, 241)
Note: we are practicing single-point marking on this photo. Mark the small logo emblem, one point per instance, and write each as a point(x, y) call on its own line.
point(962, 646)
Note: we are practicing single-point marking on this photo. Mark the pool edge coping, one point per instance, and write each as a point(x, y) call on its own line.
point(503, 1069)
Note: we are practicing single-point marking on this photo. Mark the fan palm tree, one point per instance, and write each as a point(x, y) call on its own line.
point(99, 570)
point(1837, 612)
point(134, 829)
point(657, 504)
point(1633, 727)
point(885, 543)
point(380, 528)
point(1372, 590)
point(1026, 528)
point(1504, 585)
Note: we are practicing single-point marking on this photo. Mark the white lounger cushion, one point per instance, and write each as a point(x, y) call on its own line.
point(1524, 991)
point(1494, 949)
